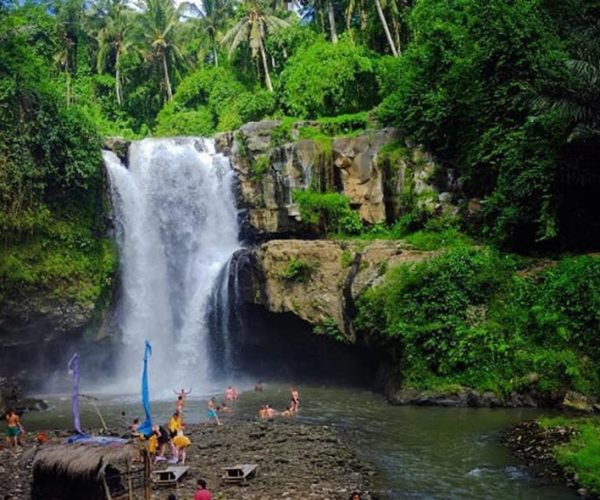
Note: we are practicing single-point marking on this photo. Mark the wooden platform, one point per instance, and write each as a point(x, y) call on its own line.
point(170, 475)
point(239, 473)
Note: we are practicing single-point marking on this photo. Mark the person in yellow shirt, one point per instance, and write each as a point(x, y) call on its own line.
point(175, 426)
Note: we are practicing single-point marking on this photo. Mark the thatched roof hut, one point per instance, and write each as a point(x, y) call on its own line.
point(88, 471)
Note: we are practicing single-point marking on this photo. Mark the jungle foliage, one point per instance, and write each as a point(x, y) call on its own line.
point(504, 93)
point(479, 318)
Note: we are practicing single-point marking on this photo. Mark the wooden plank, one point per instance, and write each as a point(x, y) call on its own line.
point(239, 473)
point(171, 475)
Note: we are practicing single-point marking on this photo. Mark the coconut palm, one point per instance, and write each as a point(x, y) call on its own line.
point(69, 16)
point(253, 29)
point(214, 14)
point(113, 42)
point(322, 8)
point(394, 9)
point(156, 30)
point(577, 99)
point(385, 24)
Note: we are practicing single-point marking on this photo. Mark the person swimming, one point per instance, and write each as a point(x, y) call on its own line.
point(270, 411)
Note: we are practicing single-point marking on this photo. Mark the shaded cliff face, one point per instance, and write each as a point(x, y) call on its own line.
point(382, 175)
point(317, 281)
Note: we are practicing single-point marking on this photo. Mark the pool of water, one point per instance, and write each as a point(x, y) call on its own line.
point(419, 452)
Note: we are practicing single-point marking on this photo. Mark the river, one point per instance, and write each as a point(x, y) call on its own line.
point(419, 452)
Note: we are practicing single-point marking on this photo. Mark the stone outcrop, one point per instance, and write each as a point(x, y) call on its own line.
point(35, 332)
point(316, 280)
point(381, 173)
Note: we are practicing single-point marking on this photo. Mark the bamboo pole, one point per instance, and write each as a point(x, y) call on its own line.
point(147, 483)
point(129, 482)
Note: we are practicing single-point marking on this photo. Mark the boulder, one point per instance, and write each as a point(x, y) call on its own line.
point(577, 402)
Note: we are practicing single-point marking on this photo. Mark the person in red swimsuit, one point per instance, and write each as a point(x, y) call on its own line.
point(201, 492)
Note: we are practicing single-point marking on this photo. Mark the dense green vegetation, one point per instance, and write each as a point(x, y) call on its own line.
point(580, 456)
point(475, 317)
point(505, 93)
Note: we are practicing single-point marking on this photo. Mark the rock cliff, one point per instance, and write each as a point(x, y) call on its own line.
point(381, 173)
point(316, 280)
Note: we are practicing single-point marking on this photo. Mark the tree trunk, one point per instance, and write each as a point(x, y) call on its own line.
point(331, 14)
point(263, 55)
point(118, 89)
point(214, 46)
point(166, 75)
point(68, 78)
point(386, 28)
point(396, 25)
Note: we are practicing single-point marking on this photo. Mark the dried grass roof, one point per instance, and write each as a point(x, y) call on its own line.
point(85, 460)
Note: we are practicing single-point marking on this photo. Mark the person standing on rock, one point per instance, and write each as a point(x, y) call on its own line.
point(201, 492)
point(14, 428)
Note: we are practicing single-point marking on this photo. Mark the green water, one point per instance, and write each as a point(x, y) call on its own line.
point(419, 452)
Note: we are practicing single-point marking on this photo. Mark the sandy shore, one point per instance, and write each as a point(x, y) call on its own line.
point(294, 461)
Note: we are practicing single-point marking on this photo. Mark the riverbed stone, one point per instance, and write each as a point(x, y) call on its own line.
point(577, 402)
point(296, 458)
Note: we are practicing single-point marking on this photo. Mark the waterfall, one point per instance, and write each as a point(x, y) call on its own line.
point(177, 228)
point(226, 316)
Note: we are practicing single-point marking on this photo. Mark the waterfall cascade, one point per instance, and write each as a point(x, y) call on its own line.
point(177, 228)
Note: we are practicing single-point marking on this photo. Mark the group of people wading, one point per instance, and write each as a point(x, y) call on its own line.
point(173, 433)
point(266, 412)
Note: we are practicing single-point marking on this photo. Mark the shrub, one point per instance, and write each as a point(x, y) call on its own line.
point(259, 167)
point(297, 271)
point(327, 79)
point(328, 212)
point(199, 122)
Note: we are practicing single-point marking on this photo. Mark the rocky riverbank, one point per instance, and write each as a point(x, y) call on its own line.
point(294, 461)
point(534, 445)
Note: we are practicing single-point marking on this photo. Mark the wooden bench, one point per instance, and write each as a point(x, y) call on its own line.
point(170, 475)
point(239, 473)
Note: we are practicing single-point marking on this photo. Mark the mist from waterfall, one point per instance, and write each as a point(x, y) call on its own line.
point(177, 228)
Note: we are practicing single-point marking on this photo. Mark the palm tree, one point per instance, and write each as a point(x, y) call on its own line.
point(315, 8)
point(577, 98)
point(69, 15)
point(331, 17)
point(385, 24)
point(113, 42)
point(215, 14)
point(157, 25)
point(253, 29)
point(359, 5)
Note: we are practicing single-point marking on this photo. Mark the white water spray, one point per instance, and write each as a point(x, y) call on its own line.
point(176, 229)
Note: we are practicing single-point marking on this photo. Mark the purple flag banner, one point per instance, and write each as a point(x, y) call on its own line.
point(73, 368)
